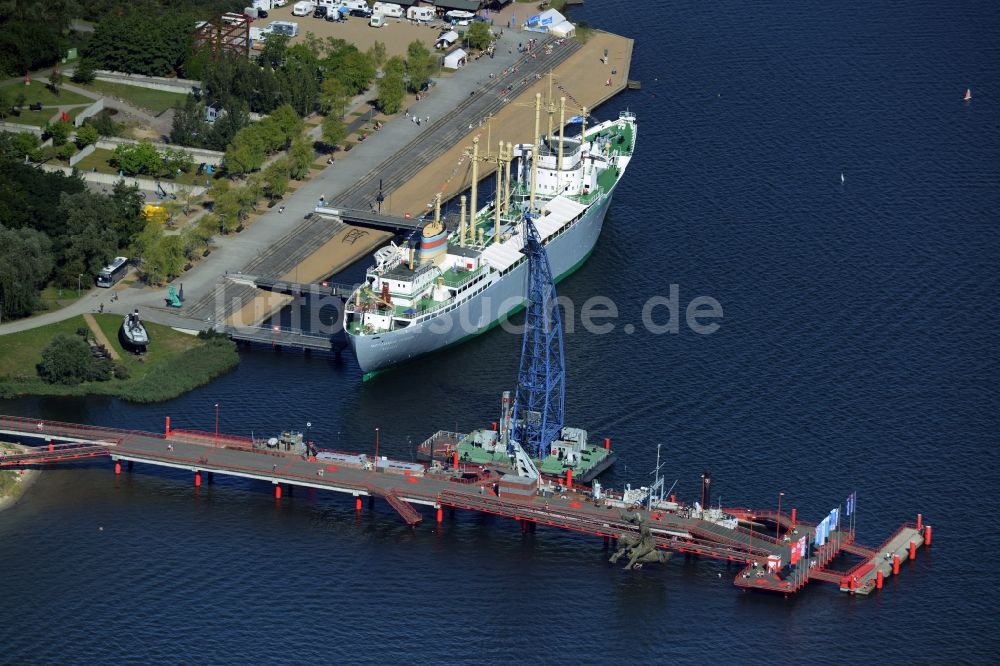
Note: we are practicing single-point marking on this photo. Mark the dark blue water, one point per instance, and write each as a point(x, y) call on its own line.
point(858, 351)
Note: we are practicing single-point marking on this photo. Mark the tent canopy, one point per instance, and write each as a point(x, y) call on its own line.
point(454, 59)
point(564, 29)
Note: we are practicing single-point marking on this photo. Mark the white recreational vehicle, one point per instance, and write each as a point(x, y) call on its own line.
point(377, 21)
point(290, 28)
point(388, 9)
point(303, 8)
point(420, 13)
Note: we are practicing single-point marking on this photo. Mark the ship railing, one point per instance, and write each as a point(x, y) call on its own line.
point(462, 278)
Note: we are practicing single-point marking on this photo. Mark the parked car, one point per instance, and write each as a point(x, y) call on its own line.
point(362, 13)
point(320, 12)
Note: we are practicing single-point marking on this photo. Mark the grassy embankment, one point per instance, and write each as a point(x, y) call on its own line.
point(154, 101)
point(175, 363)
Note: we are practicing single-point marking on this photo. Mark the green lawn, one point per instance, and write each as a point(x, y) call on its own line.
point(174, 363)
point(40, 118)
point(156, 101)
point(55, 298)
point(100, 159)
point(38, 92)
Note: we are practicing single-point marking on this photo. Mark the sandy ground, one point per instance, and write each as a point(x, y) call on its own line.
point(582, 78)
point(99, 336)
point(396, 34)
point(26, 477)
point(335, 255)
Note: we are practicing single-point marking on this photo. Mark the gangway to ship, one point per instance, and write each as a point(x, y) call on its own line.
point(370, 218)
point(338, 290)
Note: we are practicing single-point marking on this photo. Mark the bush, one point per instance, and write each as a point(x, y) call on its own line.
point(120, 370)
point(84, 72)
point(86, 135)
point(66, 151)
point(65, 361)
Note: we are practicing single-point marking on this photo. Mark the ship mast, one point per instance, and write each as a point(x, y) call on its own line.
point(534, 152)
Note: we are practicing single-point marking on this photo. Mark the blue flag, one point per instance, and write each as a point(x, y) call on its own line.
point(850, 503)
point(834, 517)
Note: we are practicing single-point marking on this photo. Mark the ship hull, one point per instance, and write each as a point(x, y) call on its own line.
point(483, 311)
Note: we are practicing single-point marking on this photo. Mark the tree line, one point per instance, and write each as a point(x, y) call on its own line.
point(53, 229)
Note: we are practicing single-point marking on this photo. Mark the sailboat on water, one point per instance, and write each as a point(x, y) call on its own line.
point(968, 94)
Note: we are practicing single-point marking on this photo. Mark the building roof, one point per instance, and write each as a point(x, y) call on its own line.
point(467, 5)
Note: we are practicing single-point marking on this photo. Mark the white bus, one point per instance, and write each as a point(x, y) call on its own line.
point(109, 275)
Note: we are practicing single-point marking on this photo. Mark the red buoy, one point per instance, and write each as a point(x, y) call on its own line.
point(277, 491)
point(879, 578)
point(913, 551)
point(607, 443)
point(927, 535)
point(197, 479)
point(895, 564)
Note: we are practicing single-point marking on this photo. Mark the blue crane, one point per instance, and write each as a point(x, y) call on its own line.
point(541, 380)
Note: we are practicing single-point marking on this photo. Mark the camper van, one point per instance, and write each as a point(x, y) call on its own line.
point(388, 9)
point(290, 28)
point(355, 5)
point(420, 13)
point(303, 8)
point(376, 21)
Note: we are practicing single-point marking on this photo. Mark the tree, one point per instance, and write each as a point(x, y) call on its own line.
point(66, 360)
point(138, 158)
point(356, 72)
point(175, 161)
point(395, 65)
point(333, 98)
point(275, 51)
point(419, 65)
point(154, 43)
point(90, 240)
point(128, 219)
point(246, 152)
point(85, 135)
point(143, 251)
point(391, 93)
point(301, 156)
point(59, 131)
point(188, 128)
point(56, 79)
point(287, 121)
point(84, 72)
point(377, 53)
point(26, 261)
point(478, 36)
point(26, 144)
point(276, 178)
point(334, 130)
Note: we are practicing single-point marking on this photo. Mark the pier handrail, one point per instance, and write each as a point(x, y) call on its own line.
point(70, 428)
